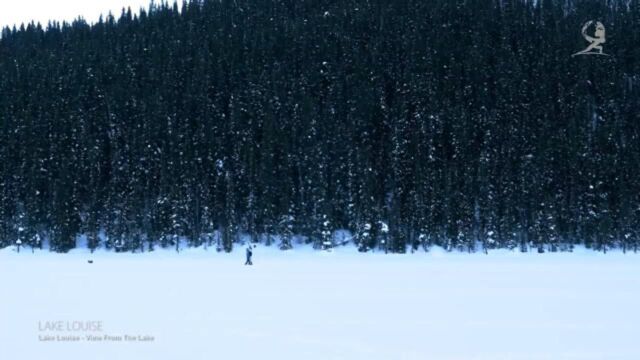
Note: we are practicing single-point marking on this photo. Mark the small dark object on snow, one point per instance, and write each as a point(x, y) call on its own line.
point(249, 254)
point(90, 261)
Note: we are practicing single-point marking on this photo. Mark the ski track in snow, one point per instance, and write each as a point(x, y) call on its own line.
point(305, 304)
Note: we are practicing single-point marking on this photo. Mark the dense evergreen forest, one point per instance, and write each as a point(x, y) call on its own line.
point(412, 123)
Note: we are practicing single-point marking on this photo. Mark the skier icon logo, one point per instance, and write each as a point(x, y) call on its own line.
point(596, 41)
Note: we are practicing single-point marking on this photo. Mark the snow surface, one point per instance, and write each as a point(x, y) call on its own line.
point(304, 304)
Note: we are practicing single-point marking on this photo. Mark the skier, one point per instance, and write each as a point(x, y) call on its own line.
point(249, 254)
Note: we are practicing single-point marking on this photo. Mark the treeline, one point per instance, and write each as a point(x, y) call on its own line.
point(464, 124)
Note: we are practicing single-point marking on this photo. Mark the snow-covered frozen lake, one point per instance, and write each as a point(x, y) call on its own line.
point(316, 305)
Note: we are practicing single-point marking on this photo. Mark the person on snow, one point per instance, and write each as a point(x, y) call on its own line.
point(249, 254)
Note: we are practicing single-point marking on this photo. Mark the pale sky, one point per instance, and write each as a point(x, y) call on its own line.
point(23, 11)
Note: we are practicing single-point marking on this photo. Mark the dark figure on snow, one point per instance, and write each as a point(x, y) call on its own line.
point(249, 254)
